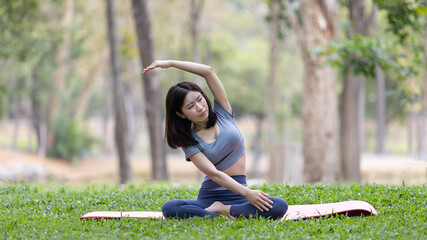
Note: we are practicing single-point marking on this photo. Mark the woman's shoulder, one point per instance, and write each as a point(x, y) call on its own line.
point(221, 111)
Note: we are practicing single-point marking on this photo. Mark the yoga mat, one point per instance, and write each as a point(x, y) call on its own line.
point(348, 208)
point(112, 214)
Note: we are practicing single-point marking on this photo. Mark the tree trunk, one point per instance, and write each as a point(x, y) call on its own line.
point(420, 135)
point(130, 85)
point(36, 120)
point(256, 147)
point(380, 110)
point(423, 117)
point(121, 130)
point(411, 129)
point(353, 105)
point(151, 90)
point(196, 7)
point(61, 70)
point(106, 113)
point(139, 103)
point(17, 115)
point(43, 141)
point(412, 123)
point(275, 172)
point(36, 116)
point(361, 114)
point(361, 24)
point(350, 128)
point(320, 115)
point(84, 99)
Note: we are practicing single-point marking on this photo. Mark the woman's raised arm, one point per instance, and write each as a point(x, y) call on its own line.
point(202, 70)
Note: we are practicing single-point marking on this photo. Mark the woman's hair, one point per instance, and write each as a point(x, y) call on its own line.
point(178, 130)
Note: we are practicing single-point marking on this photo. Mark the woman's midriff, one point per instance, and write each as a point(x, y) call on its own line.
point(238, 168)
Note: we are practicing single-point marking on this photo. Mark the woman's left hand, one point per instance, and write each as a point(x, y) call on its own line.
point(158, 64)
point(259, 200)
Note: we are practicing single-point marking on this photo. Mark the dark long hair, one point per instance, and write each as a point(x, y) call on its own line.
point(178, 130)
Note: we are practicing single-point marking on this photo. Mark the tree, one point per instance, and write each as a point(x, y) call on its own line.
point(60, 73)
point(151, 89)
point(82, 104)
point(276, 159)
point(380, 109)
point(39, 52)
point(423, 118)
point(352, 101)
point(121, 130)
point(196, 7)
point(317, 26)
point(22, 48)
point(406, 21)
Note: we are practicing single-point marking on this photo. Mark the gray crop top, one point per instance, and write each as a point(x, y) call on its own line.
point(227, 148)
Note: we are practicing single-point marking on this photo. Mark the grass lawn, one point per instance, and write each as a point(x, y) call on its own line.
point(49, 211)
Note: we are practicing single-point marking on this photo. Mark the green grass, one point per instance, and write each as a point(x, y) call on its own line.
point(50, 211)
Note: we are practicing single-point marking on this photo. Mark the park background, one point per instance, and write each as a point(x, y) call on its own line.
point(285, 71)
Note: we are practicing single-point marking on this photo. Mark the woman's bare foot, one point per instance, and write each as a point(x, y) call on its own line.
point(218, 207)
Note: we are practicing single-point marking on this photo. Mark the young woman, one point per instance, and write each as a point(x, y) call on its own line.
point(212, 141)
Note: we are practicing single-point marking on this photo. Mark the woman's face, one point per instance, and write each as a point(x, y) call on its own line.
point(195, 108)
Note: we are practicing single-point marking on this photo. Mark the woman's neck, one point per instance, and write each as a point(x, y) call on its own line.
point(197, 126)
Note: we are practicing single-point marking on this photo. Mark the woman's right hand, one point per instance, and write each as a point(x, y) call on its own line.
point(259, 200)
point(158, 64)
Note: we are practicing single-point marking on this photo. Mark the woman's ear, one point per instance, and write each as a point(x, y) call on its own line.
point(180, 115)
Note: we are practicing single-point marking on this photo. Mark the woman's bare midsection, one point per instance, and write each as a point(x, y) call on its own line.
point(238, 168)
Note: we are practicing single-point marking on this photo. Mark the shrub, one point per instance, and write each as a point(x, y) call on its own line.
point(72, 140)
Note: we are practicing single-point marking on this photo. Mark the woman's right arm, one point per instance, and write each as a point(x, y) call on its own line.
point(256, 197)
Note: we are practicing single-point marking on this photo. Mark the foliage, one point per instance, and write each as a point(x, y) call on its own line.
point(239, 59)
point(233, 38)
point(284, 22)
point(398, 51)
point(403, 16)
point(51, 211)
point(23, 45)
point(17, 20)
point(72, 140)
point(406, 21)
point(359, 55)
point(28, 48)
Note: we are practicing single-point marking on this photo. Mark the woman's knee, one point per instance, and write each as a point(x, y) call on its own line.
point(169, 208)
point(279, 207)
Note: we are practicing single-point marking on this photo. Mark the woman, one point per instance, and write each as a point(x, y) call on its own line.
point(212, 141)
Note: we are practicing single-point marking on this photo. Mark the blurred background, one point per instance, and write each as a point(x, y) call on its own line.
point(323, 91)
